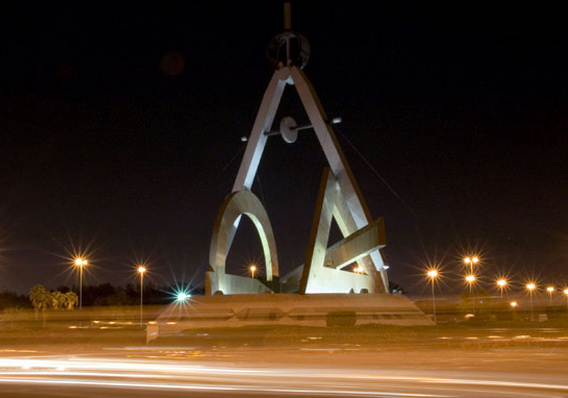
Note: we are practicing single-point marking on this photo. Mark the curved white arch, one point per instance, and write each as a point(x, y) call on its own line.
point(234, 206)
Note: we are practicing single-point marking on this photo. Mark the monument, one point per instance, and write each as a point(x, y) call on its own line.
point(346, 279)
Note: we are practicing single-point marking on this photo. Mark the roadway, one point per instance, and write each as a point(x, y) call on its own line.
point(261, 372)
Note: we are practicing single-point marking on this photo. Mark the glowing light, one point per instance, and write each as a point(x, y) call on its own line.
point(141, 270)
point(80, 262)
point(433, 273)
point(470, 279)
point(514, 304)
point(182, 296)
point(471, 261)
point(502, 283)
point(566, 292)
point(252, 270)
point(531, 286)
point(550, 289)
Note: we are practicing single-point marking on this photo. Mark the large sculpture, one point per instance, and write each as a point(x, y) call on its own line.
point(313, 294)
point(326, 269)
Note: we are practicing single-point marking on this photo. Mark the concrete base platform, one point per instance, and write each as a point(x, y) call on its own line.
point(286, 309)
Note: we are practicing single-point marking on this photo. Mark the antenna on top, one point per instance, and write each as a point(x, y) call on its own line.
point(287, 26)
point(288, 48)
point(287, 16)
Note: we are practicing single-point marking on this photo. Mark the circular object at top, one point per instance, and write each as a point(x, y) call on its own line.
point(299, 49)
point(288, 129)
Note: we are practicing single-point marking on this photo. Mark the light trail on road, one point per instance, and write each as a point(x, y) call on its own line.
point(90, 375)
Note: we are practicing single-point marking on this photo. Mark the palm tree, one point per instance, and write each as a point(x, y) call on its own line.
point(41, 299)
point(58, 300)
point(71, 300)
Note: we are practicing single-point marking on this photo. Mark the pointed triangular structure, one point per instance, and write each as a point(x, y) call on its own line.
point(324, 132)
point(355, 214)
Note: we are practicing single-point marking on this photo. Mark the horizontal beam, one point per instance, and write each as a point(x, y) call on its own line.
point(357, 245)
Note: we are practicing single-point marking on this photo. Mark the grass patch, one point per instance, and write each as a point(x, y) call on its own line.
point(376, 335)
point(62, 329)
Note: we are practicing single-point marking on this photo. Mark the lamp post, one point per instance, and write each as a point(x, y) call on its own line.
point(80, 263)
point(531, 287)
point(141, 271)
point(471, 280)
point(550, 290)
point(252, 269)
point(433, 274)
point(501, 283)
point(181, 298)
point(471, 261)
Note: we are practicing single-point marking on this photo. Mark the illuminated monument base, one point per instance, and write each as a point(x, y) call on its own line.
point(324, 310)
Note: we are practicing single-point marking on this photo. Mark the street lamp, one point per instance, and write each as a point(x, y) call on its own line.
point(471, 261)
point(182, 297)
point(252, 270)
point(471, 280)
point(550, 290)
point(514, 305)
point(502, 283)
point(433, 274)
point(566, 293)
point(141, 271)
point(531, 287)
point(80, 263)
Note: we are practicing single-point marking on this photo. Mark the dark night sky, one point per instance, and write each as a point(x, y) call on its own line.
point(120, 126)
